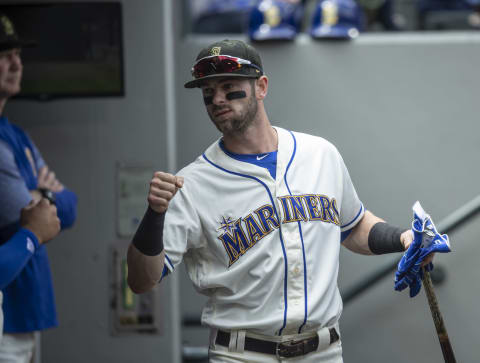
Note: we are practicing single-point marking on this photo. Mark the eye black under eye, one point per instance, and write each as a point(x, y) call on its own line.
point(208, 100)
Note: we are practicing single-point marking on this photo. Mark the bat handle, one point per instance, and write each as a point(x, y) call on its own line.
point(445, 344)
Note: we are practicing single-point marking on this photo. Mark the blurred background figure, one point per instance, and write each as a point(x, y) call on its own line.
point(448, 14)
point(474, 18)
point(220, 16)
point(380, 15)
point(275, 20)
point(337, 19)
point(28, 300)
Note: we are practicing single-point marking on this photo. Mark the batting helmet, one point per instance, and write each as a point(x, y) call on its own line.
point(342, 19)
point(274, 19)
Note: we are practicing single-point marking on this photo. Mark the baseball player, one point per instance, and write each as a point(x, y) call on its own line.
point(259, 219)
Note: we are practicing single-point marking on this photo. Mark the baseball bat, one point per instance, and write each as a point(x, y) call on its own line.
point(445, 344)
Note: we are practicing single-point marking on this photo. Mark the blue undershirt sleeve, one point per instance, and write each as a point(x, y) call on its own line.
point(14, 255)
point(66, 202)
point(344, 235)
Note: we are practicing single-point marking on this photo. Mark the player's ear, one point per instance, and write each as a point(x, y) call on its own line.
point(261, 87)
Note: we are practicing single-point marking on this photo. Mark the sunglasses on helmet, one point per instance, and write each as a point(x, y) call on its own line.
point(217, 64)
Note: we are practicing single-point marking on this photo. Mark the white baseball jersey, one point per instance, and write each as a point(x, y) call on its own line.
point(264, 251)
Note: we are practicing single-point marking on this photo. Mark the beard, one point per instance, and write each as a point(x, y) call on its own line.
point(238, 124)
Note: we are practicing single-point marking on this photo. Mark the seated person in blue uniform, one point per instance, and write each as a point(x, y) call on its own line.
point(28, 301)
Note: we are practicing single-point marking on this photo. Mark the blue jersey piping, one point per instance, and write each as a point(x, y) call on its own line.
point(165, 270)
point(170, 262)
point(279, 226)
point(301, 238)
point(354, 219)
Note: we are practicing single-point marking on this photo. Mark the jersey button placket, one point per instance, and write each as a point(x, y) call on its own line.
point(293, 250)
point(295, 292)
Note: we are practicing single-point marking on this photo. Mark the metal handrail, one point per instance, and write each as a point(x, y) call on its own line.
point(450, 223)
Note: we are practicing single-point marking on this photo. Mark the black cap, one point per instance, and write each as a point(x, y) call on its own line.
point(8, 36)
point(234, 48)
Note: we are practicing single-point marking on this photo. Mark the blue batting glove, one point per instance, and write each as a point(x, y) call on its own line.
point(408, 266)
point(426, 240)
point(431, 240)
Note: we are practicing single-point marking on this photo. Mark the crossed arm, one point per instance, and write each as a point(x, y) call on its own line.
point(21, 221)
point(39, 224)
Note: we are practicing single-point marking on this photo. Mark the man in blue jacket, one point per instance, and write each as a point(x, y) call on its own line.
point(28, 301)
point(39, 224)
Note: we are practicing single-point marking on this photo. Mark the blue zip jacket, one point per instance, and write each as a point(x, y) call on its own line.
point(28, 302)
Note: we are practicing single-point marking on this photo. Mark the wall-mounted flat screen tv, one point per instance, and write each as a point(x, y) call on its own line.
point(78, 50)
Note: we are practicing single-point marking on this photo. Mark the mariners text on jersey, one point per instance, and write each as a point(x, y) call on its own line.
point(239, 235)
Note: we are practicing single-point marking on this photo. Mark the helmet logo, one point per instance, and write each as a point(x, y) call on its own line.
point(215, 51)
point(329, 13)
point(272, 16)
point(7, 25)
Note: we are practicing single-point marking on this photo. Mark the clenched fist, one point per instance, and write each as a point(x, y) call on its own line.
point(163, 187)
